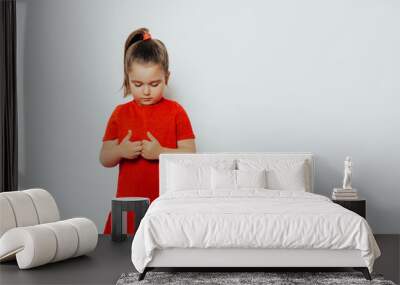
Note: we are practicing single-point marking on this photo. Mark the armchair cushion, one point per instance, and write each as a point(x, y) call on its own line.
point(45, 243)
point(32, 233)
point(27, 208)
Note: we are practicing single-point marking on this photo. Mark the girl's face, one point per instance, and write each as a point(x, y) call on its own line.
point(147, 82)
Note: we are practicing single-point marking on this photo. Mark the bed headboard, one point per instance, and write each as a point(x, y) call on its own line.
point(167, 157)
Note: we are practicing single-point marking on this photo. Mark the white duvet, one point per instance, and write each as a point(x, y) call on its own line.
point(250, 218)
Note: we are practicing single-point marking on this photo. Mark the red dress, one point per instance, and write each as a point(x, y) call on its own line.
point(168, 122)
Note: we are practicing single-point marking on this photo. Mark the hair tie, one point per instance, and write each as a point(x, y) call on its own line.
point(146, 36)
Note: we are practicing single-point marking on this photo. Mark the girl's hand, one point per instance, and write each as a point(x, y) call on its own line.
point(128, 149)
point(151, 149)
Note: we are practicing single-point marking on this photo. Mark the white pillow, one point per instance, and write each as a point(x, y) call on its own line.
point(189, 175)
point(251, 178)
point(223, 178)
point(282, 174)
point(236, 179)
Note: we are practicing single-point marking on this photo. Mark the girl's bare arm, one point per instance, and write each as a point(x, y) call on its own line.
point(110, 153)
point(184, 146)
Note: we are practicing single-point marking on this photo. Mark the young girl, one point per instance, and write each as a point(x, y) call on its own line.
point(138, 131)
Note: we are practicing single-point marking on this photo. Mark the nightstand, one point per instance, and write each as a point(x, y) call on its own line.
point(358, 206)
point(137, 204)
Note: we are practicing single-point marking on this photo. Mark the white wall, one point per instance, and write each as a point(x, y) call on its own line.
point(319, 76)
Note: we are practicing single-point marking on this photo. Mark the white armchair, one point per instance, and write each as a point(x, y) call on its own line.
point(32, 233)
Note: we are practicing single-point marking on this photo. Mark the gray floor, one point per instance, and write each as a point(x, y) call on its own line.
point(102, 266)
point(110, 260)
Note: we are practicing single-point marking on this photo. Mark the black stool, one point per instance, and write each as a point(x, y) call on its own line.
point(137, 204)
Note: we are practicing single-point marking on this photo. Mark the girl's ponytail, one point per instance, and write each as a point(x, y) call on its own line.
point(142, 48)
point(134, 37)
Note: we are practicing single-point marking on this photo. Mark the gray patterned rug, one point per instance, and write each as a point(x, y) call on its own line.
point(228, 278)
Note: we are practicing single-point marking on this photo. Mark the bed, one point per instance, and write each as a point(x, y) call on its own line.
point(242, 210)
